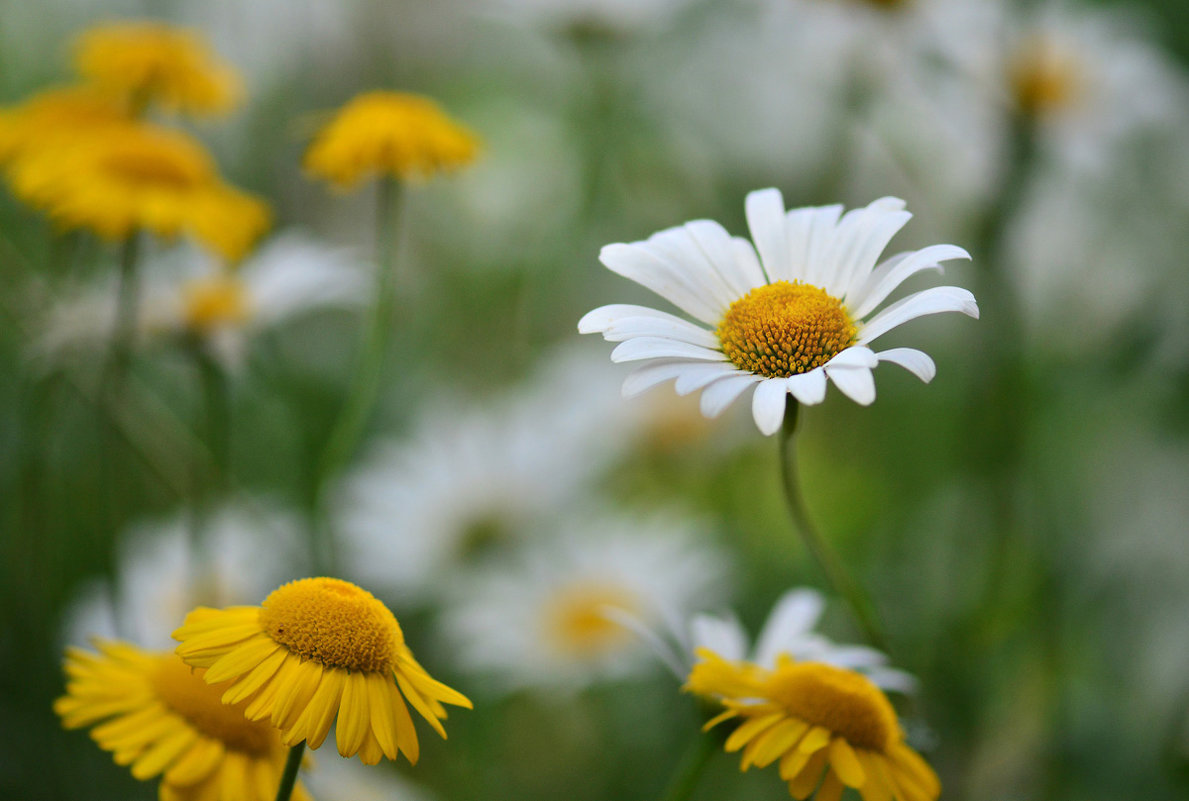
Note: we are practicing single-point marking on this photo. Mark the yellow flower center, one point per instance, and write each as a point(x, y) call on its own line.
point(333, 622)
point(577, 622)
point(150, 169)
point(843, 701)
point(1044, 78)
point(215, 301)
point(181, 689)
point(783, 329)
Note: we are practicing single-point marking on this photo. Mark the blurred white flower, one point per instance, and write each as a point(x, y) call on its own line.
point(545, 617)
point(250, 546)
point(187, 296)
point(610, 15)
point(336, 779)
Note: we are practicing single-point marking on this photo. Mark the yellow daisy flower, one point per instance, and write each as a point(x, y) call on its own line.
point(317, 648)
point(389, 133)
point(147, 62)
point(68, 111)
point(828, 727)
point(156, 714)
point(125, 178)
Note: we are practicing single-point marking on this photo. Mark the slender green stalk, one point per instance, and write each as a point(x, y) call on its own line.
point(289, 776)
point(843, 584)
point(689, 770)
point(210, 474)
point(365, 388)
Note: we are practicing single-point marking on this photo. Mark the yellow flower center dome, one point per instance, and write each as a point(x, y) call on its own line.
point(843, 701)
point(215, 301)
point(577, 622)
point(783, 329)
point(1044, 77)
point(333, 622)
point(182, 689)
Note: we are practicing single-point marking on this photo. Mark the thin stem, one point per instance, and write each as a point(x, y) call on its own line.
point(689, 771)
point(843, 584)
point(210, 475)
point(365, 388)
point(289, 776)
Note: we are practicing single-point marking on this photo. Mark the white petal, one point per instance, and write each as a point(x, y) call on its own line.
point(766, 221)
point(740, 274)
point(647, 376)
point(719, 395)
point(677, 247)
point(860, 237)
point(678, 286)
point(916, 362)
point(697, 376)
point(666, 328)
point(856, 383)
point(889, 275)
point(767, 405)
point(929, 301)
point(810, 255)
point(600, 319)
point(795, 614)
point(854, 356)
point(639, 348)
point(723, 636)
point(808, 388)
point(887, 678)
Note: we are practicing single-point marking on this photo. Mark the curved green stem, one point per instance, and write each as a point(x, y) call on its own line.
point(689, 771)
point(289, 776)
point(843, 584)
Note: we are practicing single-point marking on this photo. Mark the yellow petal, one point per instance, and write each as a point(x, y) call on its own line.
point(354, 721)
point(749, 729)
point(846, 764)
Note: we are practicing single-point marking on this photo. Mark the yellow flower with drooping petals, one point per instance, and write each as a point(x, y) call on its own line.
point(829, 728)
point(315, 649)
point(151, 64)
point(46, 117)
point(126, 178)
point(158, 716)
point(393, 134)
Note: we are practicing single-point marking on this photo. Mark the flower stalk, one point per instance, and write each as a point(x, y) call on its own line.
point(289, 775)
point(690, 769)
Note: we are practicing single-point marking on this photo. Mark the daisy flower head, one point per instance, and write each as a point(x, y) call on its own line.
point(152, 64)
point(161, 718)
point(46, 117)
point(799, 315)
point(314, 650)
point(133, 177)
point(380, 133)
point(568, 591)
point(828, 728)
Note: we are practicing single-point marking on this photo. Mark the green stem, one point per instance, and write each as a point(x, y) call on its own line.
point(210, 475)
point(843, 584)
point(365, 388)
point(689, 771)
point(289, 776)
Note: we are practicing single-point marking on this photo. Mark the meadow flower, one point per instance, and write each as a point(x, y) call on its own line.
point(161, 577)
point(393, 134)
point(161, 718)
point(189, 298)
point(566, 588)
point(828, 727)
point(122, 179)
point(152, 64)
point(48, 116)
point(785, 322)
point(318, 648)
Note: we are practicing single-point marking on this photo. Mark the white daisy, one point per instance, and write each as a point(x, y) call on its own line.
point(187, 295)
point(562, 593)
point(336, 779)
point(800, 313)
point(251, 546)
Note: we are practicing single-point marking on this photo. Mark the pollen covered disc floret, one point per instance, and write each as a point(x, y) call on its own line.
point(317, 649)
point(158, 716)
point(783, 314)
point(827, 728)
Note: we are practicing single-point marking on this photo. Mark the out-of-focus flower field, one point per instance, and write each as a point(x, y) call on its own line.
point(294, 289)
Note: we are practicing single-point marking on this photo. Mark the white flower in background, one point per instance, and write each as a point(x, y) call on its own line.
point(611, 15)
point(545, 618)
point(251, 546)
point(187, 296)
point(784, 322)
point(337, 779)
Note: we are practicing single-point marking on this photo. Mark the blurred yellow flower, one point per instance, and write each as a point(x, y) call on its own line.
point(317, 648)
point(131, 177)
point(157, 715)
point(68, 111)
point(1044, 77)
point(829, 727)
point(389, 133)
point(148, 63)
point(217, 300)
